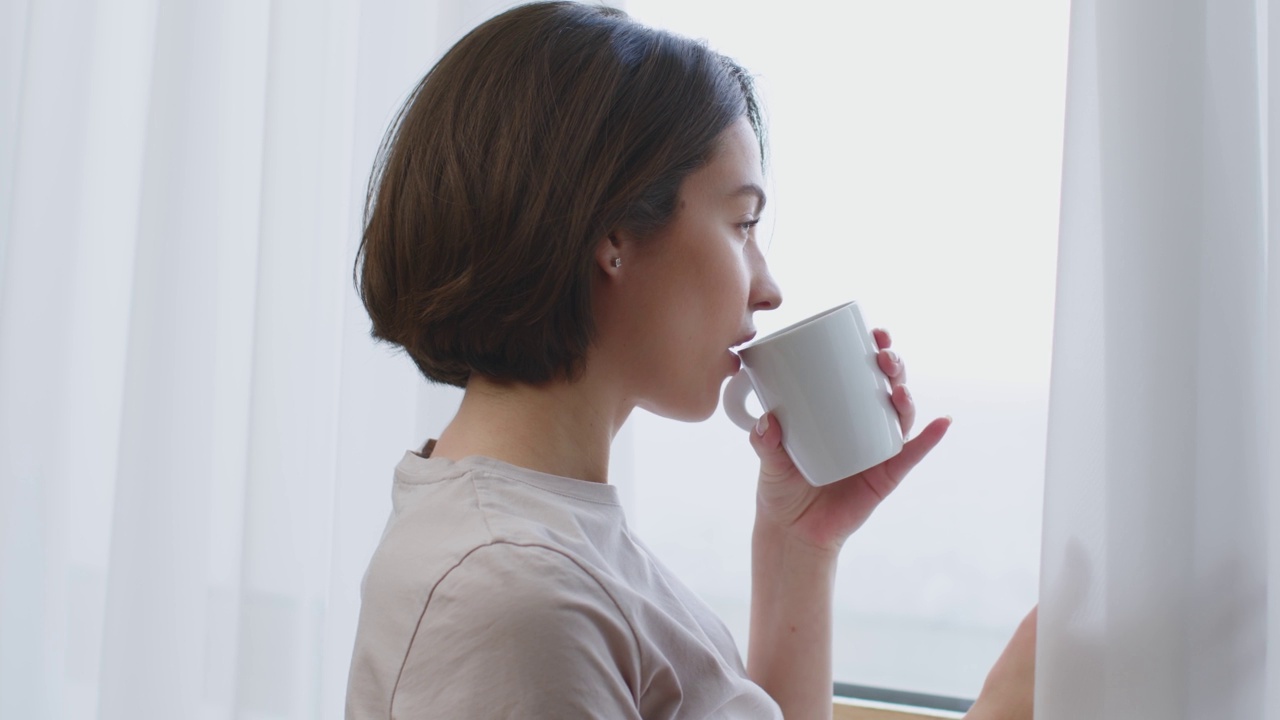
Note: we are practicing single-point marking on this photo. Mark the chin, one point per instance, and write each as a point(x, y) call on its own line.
point(692, 407)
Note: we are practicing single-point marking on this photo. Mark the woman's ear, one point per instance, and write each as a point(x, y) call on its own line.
point(610, 251)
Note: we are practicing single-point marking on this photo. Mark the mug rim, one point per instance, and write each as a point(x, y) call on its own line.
point(795, 326)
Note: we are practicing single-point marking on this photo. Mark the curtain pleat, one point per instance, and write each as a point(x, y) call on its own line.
point(1155, 553)
point(163, 539)
point(196, 434)
point(1269, 20)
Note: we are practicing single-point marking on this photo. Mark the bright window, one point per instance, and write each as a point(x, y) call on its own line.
point(916, 155)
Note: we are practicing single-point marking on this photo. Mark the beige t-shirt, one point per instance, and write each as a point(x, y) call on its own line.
point(497, 592)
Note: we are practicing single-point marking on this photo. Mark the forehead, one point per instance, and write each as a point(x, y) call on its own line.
point(736, 162)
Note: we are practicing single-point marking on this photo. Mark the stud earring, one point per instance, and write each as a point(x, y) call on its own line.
point(617, 262)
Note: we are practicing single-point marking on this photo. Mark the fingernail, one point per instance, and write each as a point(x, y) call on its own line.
point(762, 425)
point(893, 356)
point(906, 392)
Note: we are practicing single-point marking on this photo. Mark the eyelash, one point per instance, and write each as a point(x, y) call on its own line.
point(749, 224)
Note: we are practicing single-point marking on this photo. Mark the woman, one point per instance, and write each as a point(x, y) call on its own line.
point(563, 223)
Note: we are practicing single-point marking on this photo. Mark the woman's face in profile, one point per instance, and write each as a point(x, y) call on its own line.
point(692, 290)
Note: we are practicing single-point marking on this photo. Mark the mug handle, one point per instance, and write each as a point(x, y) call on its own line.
point(735, 401)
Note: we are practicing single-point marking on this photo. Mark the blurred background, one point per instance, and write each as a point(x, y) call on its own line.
point(197, 435)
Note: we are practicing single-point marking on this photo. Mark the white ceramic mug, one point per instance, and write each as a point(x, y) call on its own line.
point(821, 381)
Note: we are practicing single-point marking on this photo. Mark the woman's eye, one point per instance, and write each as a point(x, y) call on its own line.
point(746, 226)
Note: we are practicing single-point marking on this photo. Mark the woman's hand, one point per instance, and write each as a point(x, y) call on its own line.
point(825, 516)
point(1009, 692)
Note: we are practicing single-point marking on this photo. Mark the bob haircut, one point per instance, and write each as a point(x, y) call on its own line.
point(539, 133)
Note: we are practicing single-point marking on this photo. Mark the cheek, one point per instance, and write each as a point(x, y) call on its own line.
point(733, 277)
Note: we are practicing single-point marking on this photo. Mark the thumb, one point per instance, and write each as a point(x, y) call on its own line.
point(914, 450)
point(766, 439)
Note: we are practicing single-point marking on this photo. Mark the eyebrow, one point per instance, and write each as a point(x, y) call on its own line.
point(751, 189)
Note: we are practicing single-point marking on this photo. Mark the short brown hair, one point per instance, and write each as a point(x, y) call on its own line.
point(537, 134)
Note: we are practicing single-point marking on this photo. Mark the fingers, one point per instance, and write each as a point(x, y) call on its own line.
point(896, 370)
point(914, 450)
point(882, 338)
point(905, 406)
point(774, 461)
point(892, 366)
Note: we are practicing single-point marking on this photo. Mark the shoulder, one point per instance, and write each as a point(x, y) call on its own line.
point(523, 589)
point(518, 624)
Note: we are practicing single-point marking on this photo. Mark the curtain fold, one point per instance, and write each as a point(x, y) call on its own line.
point(1161, 461)
point(196, 434)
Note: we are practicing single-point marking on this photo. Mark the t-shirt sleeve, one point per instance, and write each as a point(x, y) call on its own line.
point(519, 631)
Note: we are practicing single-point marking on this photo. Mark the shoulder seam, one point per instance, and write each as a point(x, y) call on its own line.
point(635, 637)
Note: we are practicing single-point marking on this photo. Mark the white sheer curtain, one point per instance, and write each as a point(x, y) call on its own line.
point(196, 434)
point(1161, 562)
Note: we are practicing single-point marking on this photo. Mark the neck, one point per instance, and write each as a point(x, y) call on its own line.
point(559, 428)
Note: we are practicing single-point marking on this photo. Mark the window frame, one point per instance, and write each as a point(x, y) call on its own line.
point(863, 702)
point(844, 709)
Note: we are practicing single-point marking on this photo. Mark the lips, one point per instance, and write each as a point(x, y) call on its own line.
point(744, 339)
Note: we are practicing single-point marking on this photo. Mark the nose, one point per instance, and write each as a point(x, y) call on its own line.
point(765, 293)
